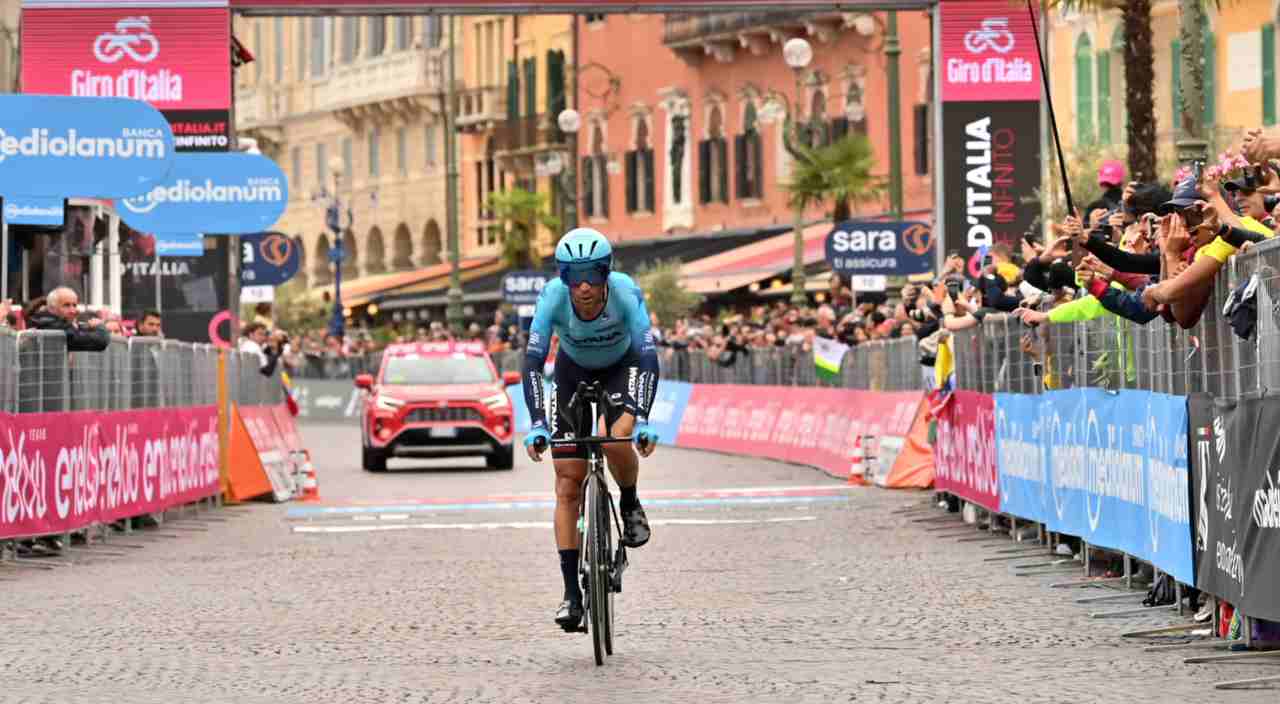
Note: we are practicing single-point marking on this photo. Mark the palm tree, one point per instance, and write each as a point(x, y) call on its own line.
point(839, 173)
point(519, 213)
point(1139, 78)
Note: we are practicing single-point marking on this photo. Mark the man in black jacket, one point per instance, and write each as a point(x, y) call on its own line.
point(61, 308)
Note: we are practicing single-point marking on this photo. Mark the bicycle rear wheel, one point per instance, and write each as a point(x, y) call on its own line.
point(597, 570)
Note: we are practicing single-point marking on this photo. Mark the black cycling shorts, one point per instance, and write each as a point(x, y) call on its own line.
point(620, 381)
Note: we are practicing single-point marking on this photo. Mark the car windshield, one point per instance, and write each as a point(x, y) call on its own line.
point(454, 369)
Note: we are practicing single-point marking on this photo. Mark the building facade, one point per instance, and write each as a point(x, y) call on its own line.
point(683, 130)
point(515, 73)
point(1088, 79)
point(369, 91)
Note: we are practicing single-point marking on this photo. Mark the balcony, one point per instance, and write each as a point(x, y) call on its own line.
point(402, 75)
point(721, 35)
point(256, 107)
point(479, 108)
point(527, 134)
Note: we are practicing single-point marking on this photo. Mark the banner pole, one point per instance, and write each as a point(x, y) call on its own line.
point(4, 256)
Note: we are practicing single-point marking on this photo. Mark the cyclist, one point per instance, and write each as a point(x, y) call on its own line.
point(600, 318)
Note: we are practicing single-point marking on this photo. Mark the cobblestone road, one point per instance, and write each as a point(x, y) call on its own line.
point(845, 600)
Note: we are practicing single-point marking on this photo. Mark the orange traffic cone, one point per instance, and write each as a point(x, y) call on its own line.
point(310, 486)
point(857, 464)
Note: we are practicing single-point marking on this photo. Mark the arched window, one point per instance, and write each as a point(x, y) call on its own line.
point(819, 134)
point(713, 157)
point(1084, 90)
point(640, 170)
point(432, 243)
point(376, 252)
point(402, 249)
point(320, 261)
point(748, 152)
point(351, 262)
point(595, 176)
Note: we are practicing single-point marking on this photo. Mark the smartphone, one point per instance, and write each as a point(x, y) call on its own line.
point(1197, 168)
point(1029, 238)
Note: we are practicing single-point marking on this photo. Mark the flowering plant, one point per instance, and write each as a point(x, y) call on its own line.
point(1229, 167)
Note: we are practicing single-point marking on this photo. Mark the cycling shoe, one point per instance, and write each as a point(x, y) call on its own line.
point(635, 527)
point(569, 616)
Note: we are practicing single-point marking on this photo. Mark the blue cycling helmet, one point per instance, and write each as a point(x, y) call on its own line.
point(584, 254)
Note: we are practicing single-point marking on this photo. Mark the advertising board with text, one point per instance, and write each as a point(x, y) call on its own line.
point(990, 79)
point(178, 59)
point(880, 248)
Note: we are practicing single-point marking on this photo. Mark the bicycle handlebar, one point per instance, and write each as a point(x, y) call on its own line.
point(541, 445)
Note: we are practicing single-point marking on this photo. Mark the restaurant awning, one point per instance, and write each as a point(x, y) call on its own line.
point(369, 288)
point(746, 265)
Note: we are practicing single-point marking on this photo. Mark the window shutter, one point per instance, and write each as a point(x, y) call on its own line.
point(722, 148)
point(757, 178)
point(632, 182)
point(1104, 97)
point(555, 83)
point(704, 171)
point(922, 138)
point(647, 168)
point(513, 91)
point(602, 163)
point(839, 128)
point(588, 201)
point(740, 166)
point(1084, 90)
point(1175, 65)
point(531, 87)
point(1210, 84)
point(1268, 74)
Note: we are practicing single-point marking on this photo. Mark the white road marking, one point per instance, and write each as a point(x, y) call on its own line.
point(536, 524)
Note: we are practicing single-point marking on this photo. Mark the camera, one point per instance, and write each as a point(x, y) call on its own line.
point(953, 287)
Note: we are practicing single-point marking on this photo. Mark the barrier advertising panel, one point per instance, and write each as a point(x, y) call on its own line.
point(1236, 501)
point(1108, 467)
point(63, 471)
point(804, 425)
point(965, 449)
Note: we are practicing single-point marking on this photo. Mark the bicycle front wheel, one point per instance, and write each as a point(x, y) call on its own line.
point(598, 565)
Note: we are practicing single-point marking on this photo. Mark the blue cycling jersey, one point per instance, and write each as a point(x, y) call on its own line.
point(592, 344)
point(599, 343)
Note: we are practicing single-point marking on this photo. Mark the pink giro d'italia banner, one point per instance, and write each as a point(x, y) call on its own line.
point(812, 426)
point(965, 450)
point(64, 471)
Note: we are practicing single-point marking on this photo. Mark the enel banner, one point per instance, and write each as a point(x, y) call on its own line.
point(60, 472)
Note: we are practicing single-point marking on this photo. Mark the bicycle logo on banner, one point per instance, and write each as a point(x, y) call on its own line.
point(994, 35)
point(132, 37)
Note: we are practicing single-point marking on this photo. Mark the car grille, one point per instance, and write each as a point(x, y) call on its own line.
point(436, 415)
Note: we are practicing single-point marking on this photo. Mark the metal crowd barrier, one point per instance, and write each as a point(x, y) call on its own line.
point(1003, 355)
point(39, 375)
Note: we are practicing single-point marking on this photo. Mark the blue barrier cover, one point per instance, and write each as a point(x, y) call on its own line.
point(1110, 468)
point(668, 408)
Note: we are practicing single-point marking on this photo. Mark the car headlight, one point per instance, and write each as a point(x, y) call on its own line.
point(496, 401)
point(388, 403)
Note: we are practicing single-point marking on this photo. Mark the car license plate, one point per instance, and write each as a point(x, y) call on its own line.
point(444, 432)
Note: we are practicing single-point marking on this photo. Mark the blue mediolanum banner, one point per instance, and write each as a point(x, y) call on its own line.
point(880, 248)
point(60, 146)
point(215, 193)
point(1110, 468)
point(34, 210)
point(179, 244)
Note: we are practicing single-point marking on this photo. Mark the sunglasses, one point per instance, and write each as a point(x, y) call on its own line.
point(594, 274)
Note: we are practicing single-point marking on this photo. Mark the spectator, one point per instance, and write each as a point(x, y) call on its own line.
point(150, 325)
point(255, 342)
point(60, 313)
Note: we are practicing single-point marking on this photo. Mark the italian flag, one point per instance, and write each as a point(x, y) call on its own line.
point(827, 355)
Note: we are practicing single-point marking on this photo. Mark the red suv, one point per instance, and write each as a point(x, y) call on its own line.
point(437, 399)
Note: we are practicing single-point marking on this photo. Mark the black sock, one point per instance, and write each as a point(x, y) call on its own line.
point(628, 499)
point(569, 570)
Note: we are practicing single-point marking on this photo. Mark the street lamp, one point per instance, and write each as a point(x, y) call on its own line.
point(337, 254)
point(797, 52)
point(569, 122)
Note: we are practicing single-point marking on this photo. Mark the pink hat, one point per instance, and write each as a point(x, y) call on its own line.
point(1111, 172)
